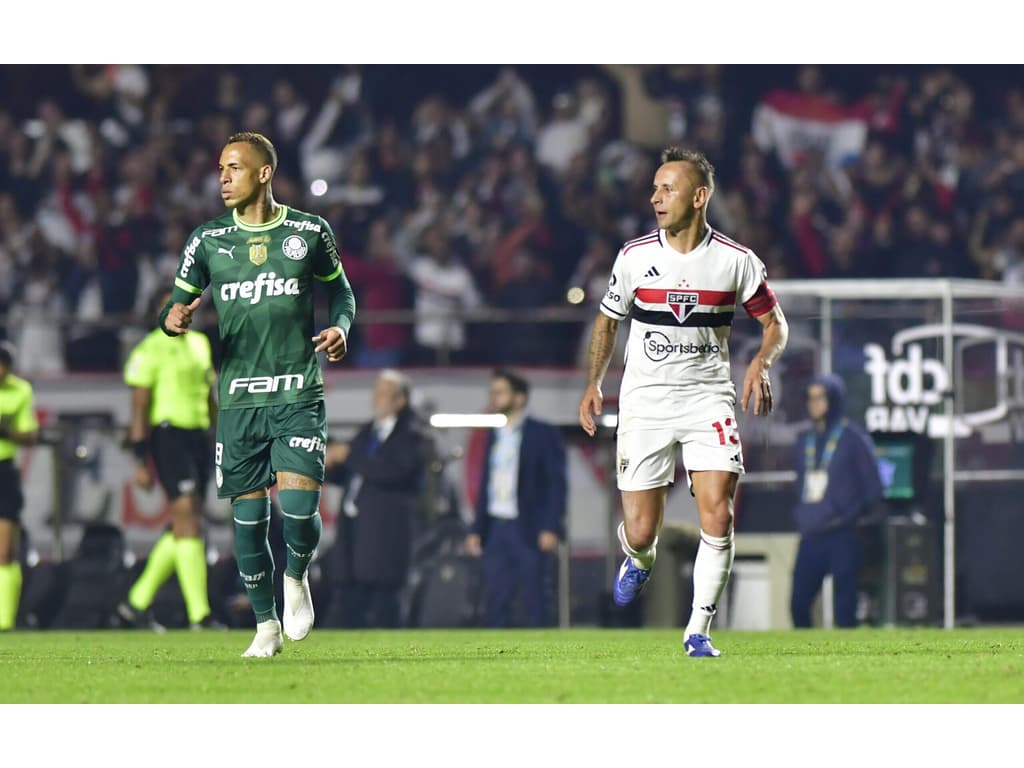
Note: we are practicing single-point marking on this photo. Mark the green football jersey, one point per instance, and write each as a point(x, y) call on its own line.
point(261, 279)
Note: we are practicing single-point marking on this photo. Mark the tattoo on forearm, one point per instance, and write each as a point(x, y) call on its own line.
point(602, 344)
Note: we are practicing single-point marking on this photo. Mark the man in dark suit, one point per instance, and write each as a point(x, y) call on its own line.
point(382, 470)
point(520, 509)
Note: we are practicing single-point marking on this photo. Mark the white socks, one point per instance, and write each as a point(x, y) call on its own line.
point(711, 571)
point(642, 558)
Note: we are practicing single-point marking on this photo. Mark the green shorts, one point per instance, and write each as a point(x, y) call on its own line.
point(253, 444)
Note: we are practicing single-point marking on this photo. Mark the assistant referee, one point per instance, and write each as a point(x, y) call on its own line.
point(18, 426)
point(173, 406)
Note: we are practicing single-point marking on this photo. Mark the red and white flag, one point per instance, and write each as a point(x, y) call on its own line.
point(794, 124)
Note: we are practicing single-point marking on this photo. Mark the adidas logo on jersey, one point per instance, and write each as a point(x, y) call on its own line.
point(652, 272)
point(265, 284)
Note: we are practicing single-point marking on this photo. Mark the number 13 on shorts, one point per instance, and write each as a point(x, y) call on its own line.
point(727, 433)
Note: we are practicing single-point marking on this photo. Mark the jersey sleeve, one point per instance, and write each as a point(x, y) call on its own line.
point(140, 369)
point(24, 419)
point(326, 261)
point(618, 299)
point(753, 290)
point(193, 273)
point(191, 279)
point(328, 270)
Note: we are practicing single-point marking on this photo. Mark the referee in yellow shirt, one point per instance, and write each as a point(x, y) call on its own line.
point(18, 426)
point(173, 406)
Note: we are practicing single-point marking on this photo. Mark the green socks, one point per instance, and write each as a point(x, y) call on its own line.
point(302, 528)
point(10, 594)
point(190, 559)
point(252, 552)
point(159, 568)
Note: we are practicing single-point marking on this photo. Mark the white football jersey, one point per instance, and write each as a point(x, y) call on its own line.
point(681, 307)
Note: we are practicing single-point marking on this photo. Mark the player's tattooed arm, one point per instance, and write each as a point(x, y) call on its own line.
point(602, 345)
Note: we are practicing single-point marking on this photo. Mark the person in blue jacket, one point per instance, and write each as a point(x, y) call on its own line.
point(520, 510)
point(838, 482)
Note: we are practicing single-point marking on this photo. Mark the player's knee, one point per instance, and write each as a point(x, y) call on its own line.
point(640, 534)
point(302, 524)
point(251, 518)
point(303, 536)
point(717, 513)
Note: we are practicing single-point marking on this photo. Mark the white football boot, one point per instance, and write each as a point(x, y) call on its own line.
point(298, 607)
point(268, 641)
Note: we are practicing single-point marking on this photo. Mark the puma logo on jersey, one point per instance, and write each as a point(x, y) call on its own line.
point(265, 284)
point(228, 251)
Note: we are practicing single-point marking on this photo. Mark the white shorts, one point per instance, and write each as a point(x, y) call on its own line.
point(646, 458)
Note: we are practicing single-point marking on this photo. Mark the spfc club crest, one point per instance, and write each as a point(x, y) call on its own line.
point(682, 303)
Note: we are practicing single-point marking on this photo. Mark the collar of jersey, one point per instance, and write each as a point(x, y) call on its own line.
point(707, 239)
point(260, 227)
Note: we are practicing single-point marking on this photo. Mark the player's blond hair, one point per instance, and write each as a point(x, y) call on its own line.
point(263, 145)
point(696, 159)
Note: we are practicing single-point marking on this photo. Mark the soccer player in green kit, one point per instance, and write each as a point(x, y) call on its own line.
point(260, 260)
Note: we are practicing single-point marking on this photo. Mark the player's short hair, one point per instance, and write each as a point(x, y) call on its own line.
point(263, 145)
point(698, 160)
point(6, 355)
point(399, 379)
point(520, 386)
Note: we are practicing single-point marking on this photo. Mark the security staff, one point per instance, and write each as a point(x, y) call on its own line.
point(173, 405)
point(18, 426)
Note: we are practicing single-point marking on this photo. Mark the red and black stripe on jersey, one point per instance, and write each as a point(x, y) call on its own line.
point(693, 319)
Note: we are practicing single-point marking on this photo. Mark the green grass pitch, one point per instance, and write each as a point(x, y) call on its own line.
point(517, 666)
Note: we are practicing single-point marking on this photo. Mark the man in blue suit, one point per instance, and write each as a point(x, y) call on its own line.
point(520, 509)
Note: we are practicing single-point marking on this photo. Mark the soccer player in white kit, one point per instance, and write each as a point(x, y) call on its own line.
point(680, 285)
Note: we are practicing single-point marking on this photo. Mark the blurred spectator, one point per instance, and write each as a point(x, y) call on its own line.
point(361, 200)
point(444, 289)
point(564, 136)
point(830, 171)
point(505, 111)
point(379, 285)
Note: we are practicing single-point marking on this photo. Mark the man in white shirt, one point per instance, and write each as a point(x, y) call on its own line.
point(444, 290)
point(680, 285)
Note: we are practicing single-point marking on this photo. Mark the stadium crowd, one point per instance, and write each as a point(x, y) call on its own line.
point(465, 193)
